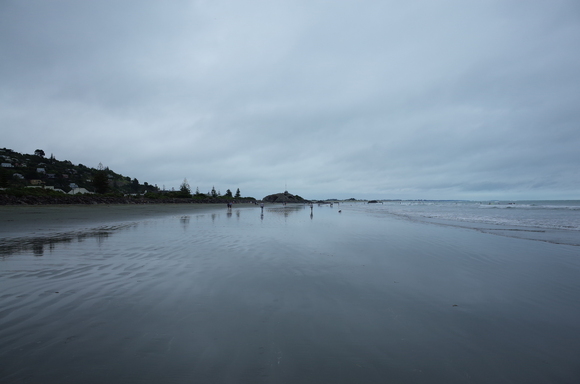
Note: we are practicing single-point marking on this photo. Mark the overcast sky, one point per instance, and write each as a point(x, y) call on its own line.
point(425, 99)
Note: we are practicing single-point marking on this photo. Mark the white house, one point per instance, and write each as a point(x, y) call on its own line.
point(75, 191)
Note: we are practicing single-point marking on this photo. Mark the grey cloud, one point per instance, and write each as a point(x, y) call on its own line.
point(431, 100)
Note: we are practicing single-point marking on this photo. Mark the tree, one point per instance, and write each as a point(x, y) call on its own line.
point(39, 152)
point(135, 185)
point(185, 189)
point(3, 178)
point(228, 193)
point(213, 192)
point(101, 180)
point(237, 193)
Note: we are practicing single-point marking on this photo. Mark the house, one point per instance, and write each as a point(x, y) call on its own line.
point(50, 175)
point(36, 182)
point(75, 191)
point(54, 189)
point(40, 170)
point(7, 165)
point(73, 185)
point(18, 176)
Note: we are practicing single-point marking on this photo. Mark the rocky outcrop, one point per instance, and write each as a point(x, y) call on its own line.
point(284, 198)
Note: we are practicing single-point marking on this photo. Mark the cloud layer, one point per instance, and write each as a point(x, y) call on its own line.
point(439, 100)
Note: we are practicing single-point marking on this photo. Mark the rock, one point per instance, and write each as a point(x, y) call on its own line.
point(284, 198)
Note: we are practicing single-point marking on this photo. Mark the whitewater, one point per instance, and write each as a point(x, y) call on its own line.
point(555, 221)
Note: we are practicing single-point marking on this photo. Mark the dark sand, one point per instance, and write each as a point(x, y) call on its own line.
point(47, 219)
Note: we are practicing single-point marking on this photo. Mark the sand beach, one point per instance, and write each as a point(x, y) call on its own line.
point(181, 294)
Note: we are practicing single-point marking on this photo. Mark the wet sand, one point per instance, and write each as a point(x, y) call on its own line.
point(44, 219)
point(210, 296)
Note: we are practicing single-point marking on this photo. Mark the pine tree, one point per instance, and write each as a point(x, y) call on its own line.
point(185, 189)
point(101, 180)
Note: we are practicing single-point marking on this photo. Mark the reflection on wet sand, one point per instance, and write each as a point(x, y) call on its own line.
point(39, 244)
point(286, 210)
point(184, 220)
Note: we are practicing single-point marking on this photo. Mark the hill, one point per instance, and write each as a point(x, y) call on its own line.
point(25, 170)
point(36, 179)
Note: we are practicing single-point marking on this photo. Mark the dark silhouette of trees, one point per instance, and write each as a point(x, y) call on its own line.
point(184, 189)
point(39, 152)
point(135, 185)
point(3, 178)
point(101, 180)
point(237, 193)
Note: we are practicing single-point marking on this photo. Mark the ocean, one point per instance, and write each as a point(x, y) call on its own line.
point(401, 292)
point(551, 221)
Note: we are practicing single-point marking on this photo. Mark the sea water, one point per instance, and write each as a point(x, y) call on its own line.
point(396, 292)
point(552, 221)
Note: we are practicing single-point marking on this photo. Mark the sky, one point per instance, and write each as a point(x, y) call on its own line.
point(450, 99)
